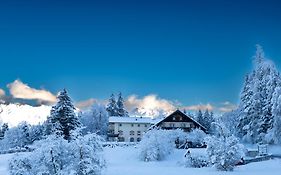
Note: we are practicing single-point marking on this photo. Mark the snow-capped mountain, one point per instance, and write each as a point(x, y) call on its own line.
point(13, 114)
point(145, 112)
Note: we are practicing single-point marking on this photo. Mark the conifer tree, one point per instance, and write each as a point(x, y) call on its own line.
point(3, 129)
point(256, 118)
point(63, 120)
point(200, 117)
point(112, 106)
point(120, 106)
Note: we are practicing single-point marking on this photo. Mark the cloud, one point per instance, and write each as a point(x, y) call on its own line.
point(22, 91)
point(86, 103)
point(149, 103)
point(227, 107)
point(2, 93)
point(202, 107)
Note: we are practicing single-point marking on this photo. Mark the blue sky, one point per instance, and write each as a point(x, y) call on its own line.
point(187, 51)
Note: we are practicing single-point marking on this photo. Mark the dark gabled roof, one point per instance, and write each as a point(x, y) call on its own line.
point(181, 114)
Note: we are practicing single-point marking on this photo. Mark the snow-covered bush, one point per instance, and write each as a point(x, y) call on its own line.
point(156, 145)
point(57, 156)
point(224, 149)
point(16, 137)
point(195, 161)
point(197, 137)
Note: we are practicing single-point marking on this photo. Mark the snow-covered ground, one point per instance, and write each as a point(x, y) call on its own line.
point(124, 161)
point(4, 162)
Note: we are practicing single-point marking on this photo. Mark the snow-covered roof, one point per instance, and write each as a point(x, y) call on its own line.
point(114, 119)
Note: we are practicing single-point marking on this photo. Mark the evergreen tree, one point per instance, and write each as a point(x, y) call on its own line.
point(199, 117)
point(120, 106)
point(112, 106)
point(63, 119)
point(255, 106)
point(3, 129)
point(275, 134)
point(25, 130)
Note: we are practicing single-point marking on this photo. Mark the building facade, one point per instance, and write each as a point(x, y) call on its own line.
point(178, 120)
point(131, 129)
point(128, 129)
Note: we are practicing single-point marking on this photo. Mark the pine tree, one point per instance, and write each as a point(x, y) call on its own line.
point(63, 119)
point(199, 117)
point(112, 106)
point(3, 129)
point(120, 106)
point(275, 134)
point(25, 129)
point(255, 106)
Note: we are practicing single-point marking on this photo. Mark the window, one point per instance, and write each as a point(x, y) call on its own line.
point(132, 139)
point(145, 125)
point(132, 133)
point(120, 124)
point(138, 125)
point(132, 125)
point(139, 133)
point(174, 118)
point(138, 139)
point(121, 139)
point(172, 125)
point(120, 132)
point(183, 125)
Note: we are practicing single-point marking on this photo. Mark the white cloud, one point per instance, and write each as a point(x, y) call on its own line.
point(22, 91)
point(2, 93)
point(85, 104)
point(149, 103)
point(227, 107)
point(202, 107)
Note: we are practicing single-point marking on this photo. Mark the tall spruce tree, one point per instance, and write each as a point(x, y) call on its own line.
point(63, 119)
point(120, 106)
point(112, 106)
point(275, 133)
point(255, 106)
point(199, 117)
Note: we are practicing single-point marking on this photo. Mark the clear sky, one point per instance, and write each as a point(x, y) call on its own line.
point(187, 51)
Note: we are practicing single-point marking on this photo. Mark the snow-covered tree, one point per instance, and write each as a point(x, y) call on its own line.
point(199, 117)
point(95, 120)
point(223, 149)
point(3, 130)
point(112, 106)
point(120, 106)
point(196, 136)
point(63, 119)
point(16, 137)
point(275, 133)
point(255, 118)
point(230, 120)
point(57, 156)
point(36, 132)
point(156, 145)
point(208, 118)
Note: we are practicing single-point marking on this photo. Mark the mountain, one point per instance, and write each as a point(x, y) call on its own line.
point(13, 114)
